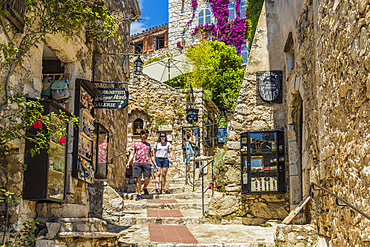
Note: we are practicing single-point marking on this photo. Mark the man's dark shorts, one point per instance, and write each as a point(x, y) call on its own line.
point(141, 169)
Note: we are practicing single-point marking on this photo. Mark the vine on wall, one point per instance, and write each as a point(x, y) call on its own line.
point(230, 32)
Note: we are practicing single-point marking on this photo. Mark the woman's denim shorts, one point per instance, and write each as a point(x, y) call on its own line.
point(162, 162)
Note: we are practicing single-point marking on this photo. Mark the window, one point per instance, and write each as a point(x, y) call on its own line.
point(232, 11)
point(263, 162)
point(137, 45)
point(205, 16)
point(137, 126)
point(244, 53)
point(16, 10)
point(243, 9)
point(160, 42)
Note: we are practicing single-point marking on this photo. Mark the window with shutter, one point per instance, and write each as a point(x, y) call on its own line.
point(151, 43)
point(145, 44)
point(16, 9)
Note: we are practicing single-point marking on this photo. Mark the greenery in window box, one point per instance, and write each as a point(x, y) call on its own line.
point(28, 114)
point(42, 17)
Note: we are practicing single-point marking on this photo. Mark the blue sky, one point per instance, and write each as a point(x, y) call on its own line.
point(153, 12)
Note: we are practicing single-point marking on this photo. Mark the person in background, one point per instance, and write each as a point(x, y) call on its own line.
point(229, 119)
point(162, 151)
point(143, 153)
point(189, 140)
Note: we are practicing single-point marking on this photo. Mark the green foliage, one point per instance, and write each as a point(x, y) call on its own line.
point(217, 68)
point(67, 17)
point(15, 124)
point(155, 59)
point(219, 159)
point(160, 119)
point(12, 238)
point(254, 8)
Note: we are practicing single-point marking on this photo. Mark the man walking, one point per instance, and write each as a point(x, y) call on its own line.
point(143, 153)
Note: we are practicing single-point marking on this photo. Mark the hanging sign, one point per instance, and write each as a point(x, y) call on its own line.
point(112, 98)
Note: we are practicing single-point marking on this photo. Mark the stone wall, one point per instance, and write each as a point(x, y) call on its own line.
point(322, 47)
point(77, 56)
point(332, 65)
point(298, 236)
point(180, 13)
point(253, 114)
point(159, 104)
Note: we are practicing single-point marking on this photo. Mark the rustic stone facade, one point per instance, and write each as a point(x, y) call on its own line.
point(322, 48)
point(81, 59)
point(158, 104)
point(180, 13)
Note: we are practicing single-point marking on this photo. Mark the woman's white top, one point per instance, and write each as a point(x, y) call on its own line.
point(162, 151)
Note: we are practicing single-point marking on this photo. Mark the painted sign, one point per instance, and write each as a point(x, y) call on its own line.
point(165, 128)
point(269, 85)
point(112, 98)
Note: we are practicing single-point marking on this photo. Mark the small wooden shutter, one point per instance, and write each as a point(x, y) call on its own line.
point(151, 43)
point(16, 10)
point(145, 44)
point(166, 39)
point(131, 48)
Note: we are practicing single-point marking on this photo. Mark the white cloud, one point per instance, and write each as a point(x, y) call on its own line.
point(137, 27)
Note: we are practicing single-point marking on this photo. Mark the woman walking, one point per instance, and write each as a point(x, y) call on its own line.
point(189, 141)
point(162, 151)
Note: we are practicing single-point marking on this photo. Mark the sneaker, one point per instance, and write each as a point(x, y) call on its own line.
point(146, 192)
point(162, 192)
point(138, 198)
point(157, 190)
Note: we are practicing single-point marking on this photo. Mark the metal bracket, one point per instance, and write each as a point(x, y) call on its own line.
point(340, 204)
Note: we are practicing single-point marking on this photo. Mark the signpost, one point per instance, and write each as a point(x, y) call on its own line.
point(112, 98)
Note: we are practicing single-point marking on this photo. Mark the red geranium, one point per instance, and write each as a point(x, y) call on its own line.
point(37, 125)
point(211, 186)
point(62, 140)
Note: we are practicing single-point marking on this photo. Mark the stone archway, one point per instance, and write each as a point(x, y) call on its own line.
point(295, 136)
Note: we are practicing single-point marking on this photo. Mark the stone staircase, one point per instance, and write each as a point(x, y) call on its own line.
point(175, 219)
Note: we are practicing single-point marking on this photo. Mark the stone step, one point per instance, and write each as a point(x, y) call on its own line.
point(82, 225)
point(206, 235)
point(144, 221)
point(136, 206)
point(249, 244)
point(189, 195)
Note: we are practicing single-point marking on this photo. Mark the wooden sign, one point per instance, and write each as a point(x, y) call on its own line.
point(112, 98)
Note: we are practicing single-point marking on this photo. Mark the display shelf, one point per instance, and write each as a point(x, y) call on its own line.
point(84, 157)
point(86, 136)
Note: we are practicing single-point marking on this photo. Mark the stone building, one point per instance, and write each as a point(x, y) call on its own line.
point(152, 42)
point(157, 107)
point(313, 101)
point(69, 207)
point(183, 19)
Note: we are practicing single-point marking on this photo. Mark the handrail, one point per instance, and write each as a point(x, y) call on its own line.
point(204, 191)
point(346, 203)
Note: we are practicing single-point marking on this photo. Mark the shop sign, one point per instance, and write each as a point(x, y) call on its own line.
point(112, 98)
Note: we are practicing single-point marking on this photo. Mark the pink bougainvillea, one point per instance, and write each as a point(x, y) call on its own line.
point(231, 32)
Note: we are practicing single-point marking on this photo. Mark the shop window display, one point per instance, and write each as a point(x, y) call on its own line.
point(88, 142)
point(263, 162)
